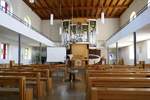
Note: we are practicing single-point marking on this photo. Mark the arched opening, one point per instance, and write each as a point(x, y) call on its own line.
point(27, 21)
point(6, 6)
point(133, 16)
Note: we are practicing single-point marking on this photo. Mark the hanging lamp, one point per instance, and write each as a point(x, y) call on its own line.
point(31, 1)
point(51, 19)
point(60, 28)
point(102, 16)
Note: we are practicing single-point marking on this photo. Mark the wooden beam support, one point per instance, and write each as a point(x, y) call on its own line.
point(86, 8)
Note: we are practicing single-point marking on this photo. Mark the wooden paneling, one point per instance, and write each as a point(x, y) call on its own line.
point(79, 51)
point(81, 8)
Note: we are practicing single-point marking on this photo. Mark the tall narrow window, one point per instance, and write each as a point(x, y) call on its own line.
point(5, 6)
point(148, 3)
point(148, 49)
point(3, 51)
point(133, 16)
point(131, 52)
point(27, 54)
point(27, 21)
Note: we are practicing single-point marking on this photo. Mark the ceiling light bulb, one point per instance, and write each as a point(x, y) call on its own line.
point(31, 1)
point(51, 19)
point(60, 30)
point(103, 17)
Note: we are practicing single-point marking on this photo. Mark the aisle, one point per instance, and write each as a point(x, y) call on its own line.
point(66, 90)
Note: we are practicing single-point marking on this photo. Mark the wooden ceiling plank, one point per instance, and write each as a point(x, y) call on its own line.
point(97, 12)
point(38, 5)
point(115, 9)
point(110, 10)
point(76, 5)
point(81, 5)
point(38, 2)
point(108, 2)
point(92, 10)
point(82, 8)
point(128, 2)
point(89, 7)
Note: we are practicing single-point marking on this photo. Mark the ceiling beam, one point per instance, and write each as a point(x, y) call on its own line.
point(90, 7)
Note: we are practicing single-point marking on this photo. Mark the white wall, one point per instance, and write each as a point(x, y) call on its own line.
point(136, 6)
point(22, 10)
point(13, 54)
point(141, 53)
point(104, 31)
point(124, 53)
point(52, 31)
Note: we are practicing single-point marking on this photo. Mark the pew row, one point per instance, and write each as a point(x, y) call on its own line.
point(45, 75)
point(15, 85)
point(32, 80)
point(116, 82)
point(102, 93)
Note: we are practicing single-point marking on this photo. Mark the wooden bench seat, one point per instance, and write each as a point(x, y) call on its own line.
point(45, 75)
point(32, 80)
point(118, 74)
point(120, 93)
point(117, 82)
point(13, 81)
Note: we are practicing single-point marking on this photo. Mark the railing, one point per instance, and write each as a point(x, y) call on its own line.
point(129, 21)
point(20, 20)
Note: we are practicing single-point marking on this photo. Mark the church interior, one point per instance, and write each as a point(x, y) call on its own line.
point(74, 49)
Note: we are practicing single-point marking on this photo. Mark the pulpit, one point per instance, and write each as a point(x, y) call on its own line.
point(80, 52)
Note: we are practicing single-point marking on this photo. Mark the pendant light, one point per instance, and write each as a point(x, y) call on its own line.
point(51, 19)
point(60, 30)
point(102, 16)
point(31, 1)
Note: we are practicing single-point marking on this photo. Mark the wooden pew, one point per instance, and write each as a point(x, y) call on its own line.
point(45, 75)
point(13, 81)
point(120, 93)
point(118, 74)
point(32, 80)
point(117, 82)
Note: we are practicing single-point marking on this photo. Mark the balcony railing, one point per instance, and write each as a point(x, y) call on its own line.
point(129, 21)
point(21, 20)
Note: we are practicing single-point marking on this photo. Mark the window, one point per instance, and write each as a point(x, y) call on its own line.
point(27, 54)
point(133, 16)
point(3, 51)
point(148, 49)
point(6, 6)
point(131, 52)
point(148, 3)
point(27, 21)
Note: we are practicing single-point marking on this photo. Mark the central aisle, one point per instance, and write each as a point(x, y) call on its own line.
point(67, 90)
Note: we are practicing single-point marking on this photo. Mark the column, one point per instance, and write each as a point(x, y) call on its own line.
point(134, 45)
point(19, 49)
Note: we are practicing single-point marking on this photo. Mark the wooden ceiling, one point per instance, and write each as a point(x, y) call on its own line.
point(65, 9)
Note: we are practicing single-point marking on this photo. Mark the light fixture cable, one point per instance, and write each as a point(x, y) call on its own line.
point(60, 15)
